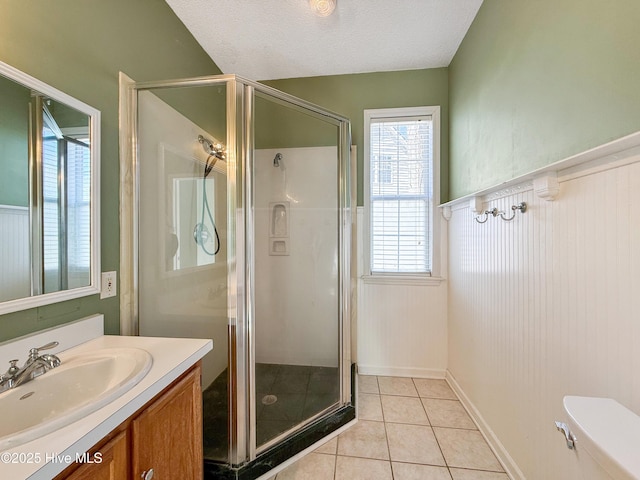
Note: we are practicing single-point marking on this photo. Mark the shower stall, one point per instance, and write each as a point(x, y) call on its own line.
point(236, 224)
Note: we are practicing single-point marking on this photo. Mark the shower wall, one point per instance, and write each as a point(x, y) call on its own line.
point(298, 323)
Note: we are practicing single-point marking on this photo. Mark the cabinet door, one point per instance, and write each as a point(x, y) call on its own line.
point(167, 435)
point(112, 458)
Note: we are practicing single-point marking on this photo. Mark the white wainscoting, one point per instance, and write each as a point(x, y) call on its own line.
point(545, 306)
point(402, 328)
point(15, 274)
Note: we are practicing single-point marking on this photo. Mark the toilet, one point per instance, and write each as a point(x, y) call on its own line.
point(606, 438)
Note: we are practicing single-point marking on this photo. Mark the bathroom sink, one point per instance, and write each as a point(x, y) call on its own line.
point(82, 384)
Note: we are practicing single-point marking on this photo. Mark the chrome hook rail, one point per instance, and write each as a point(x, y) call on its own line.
point(522, 206)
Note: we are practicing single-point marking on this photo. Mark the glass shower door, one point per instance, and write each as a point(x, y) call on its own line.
point(296, 283)
point(183, 240)
point(252, 252)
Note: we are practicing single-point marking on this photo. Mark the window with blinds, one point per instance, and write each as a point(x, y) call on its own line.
point(51, 211)
point(66, 191)
point(78, 203)
point(400, 193)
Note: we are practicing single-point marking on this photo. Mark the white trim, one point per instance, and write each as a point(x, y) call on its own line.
point(501, 453)
point(401, 371)
point(94, 287)
point(390, 113)
point(127, 206)
point(74, 132)
point(475, 205)
point(41, 87)
point(546, 186)
point(402, 280)
point(14, 208)
point(617, 153)
point(446, 213)
point(509, 191)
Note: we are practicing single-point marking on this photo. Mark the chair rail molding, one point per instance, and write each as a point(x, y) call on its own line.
point(546, 181)
point(546, 186)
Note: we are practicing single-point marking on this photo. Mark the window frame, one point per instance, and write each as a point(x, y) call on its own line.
point(428, 278)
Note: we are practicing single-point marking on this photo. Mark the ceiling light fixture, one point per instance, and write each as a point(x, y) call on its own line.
point(323, 8)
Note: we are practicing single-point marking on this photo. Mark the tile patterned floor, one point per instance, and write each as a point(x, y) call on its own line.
point(408, 429)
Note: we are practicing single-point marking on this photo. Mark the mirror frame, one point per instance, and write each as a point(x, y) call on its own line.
point(93, 288)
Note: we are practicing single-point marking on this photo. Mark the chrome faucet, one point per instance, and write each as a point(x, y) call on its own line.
point(35, 366)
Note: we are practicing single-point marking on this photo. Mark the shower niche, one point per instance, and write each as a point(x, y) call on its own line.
point(279, 228)
point(243, 235)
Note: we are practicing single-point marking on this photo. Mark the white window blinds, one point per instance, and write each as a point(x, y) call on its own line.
point(66, 192)
point(401, 194)
point(78, 213)
point(51, 210)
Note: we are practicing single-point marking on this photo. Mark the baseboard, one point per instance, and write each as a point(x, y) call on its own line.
point(401, 371)
point(509, 465)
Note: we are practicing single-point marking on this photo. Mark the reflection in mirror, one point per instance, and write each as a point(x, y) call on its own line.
point(48, 194)
point(15, 276)
point(193, 238)
point(66, 187)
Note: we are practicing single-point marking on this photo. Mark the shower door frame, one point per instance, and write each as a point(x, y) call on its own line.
point(240, 94)
point(344, 245)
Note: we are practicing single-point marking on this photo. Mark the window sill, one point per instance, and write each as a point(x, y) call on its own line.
point(402, 280)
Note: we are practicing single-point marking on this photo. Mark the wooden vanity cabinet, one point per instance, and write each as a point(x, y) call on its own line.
point(167, 435)
point(164, 436)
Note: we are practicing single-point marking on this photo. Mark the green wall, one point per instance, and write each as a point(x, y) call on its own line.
point(14, 143)
point(350, 95)
point(535, 82)
point(280, 126)
point(79, 47)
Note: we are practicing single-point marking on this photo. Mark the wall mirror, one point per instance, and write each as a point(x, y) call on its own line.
point(49, 198)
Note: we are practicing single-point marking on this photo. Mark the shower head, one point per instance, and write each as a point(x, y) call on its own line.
point(276, 160)
point(216, 150)
point(207, 145)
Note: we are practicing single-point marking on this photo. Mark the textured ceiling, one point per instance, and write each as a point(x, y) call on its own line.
point(274, 39)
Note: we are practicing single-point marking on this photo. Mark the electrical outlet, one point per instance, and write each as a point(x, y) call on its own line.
point(108, 287)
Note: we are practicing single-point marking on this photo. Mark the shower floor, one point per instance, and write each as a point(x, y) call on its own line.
point(300, 392)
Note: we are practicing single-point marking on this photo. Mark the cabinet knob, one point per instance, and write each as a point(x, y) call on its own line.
point(147, 475)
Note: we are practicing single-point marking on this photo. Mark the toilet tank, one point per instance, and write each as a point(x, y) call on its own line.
point(607, 438)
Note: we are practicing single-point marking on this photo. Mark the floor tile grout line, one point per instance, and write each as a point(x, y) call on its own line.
point(457, 428)
point(335, 461)
point(434, 436)
point(335, 468)
point(468, 468)
point(423, 405)
point(478, 470)
point(440, 448)
point(385, 421)
point(406, 423)
point(386, 434)
point(410, 463)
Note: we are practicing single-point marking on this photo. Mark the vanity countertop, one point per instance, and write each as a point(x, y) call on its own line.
point(50, 454)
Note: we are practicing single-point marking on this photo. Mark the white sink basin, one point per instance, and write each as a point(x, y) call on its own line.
point(81, 385)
